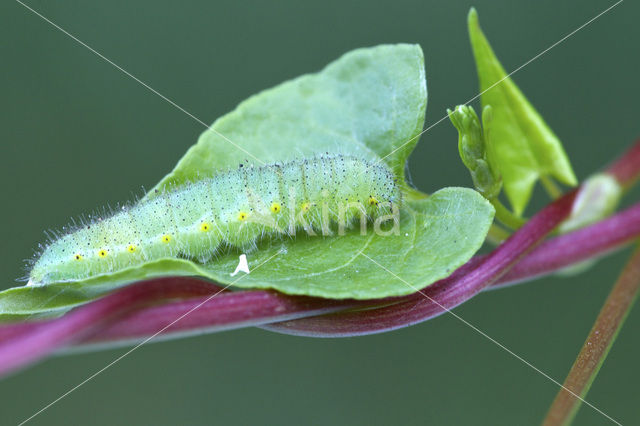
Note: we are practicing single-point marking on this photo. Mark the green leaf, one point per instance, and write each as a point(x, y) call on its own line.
point(525, 147)
point(369, 103)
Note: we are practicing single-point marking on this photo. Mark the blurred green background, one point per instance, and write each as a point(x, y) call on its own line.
point(76, 134)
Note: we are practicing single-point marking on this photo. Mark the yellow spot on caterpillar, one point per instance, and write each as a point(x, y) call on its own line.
point(132, 248)
point(373, 201)
point(306, 207)
point(275, 208)
point(103, 253)
point(242, 216)
point(166, 238)
point(77, 257)
point(205, 227)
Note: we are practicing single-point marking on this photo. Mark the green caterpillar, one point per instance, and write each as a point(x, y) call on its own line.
point(235, 209)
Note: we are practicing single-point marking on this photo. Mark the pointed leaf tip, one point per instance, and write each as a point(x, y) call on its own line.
point(525, 147)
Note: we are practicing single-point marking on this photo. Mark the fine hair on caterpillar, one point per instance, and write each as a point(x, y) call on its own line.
point(322, 196)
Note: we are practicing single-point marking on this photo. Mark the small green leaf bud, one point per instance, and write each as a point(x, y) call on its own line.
point(474, 152)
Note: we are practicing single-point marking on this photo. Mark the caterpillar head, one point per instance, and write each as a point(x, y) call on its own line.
point(58, 263)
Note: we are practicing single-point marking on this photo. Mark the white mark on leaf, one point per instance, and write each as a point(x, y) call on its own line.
point(242, 266)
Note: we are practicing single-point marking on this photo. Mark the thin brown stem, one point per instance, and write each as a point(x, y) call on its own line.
point(597, 346)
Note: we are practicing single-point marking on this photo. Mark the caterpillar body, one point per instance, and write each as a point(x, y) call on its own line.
point(234, 208)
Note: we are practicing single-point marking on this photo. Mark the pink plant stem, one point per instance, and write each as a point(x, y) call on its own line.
point(626, 168)
point(587, 243)
point(223, 312)
point(139, 324)
point(17, 349)
point(23, 343)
